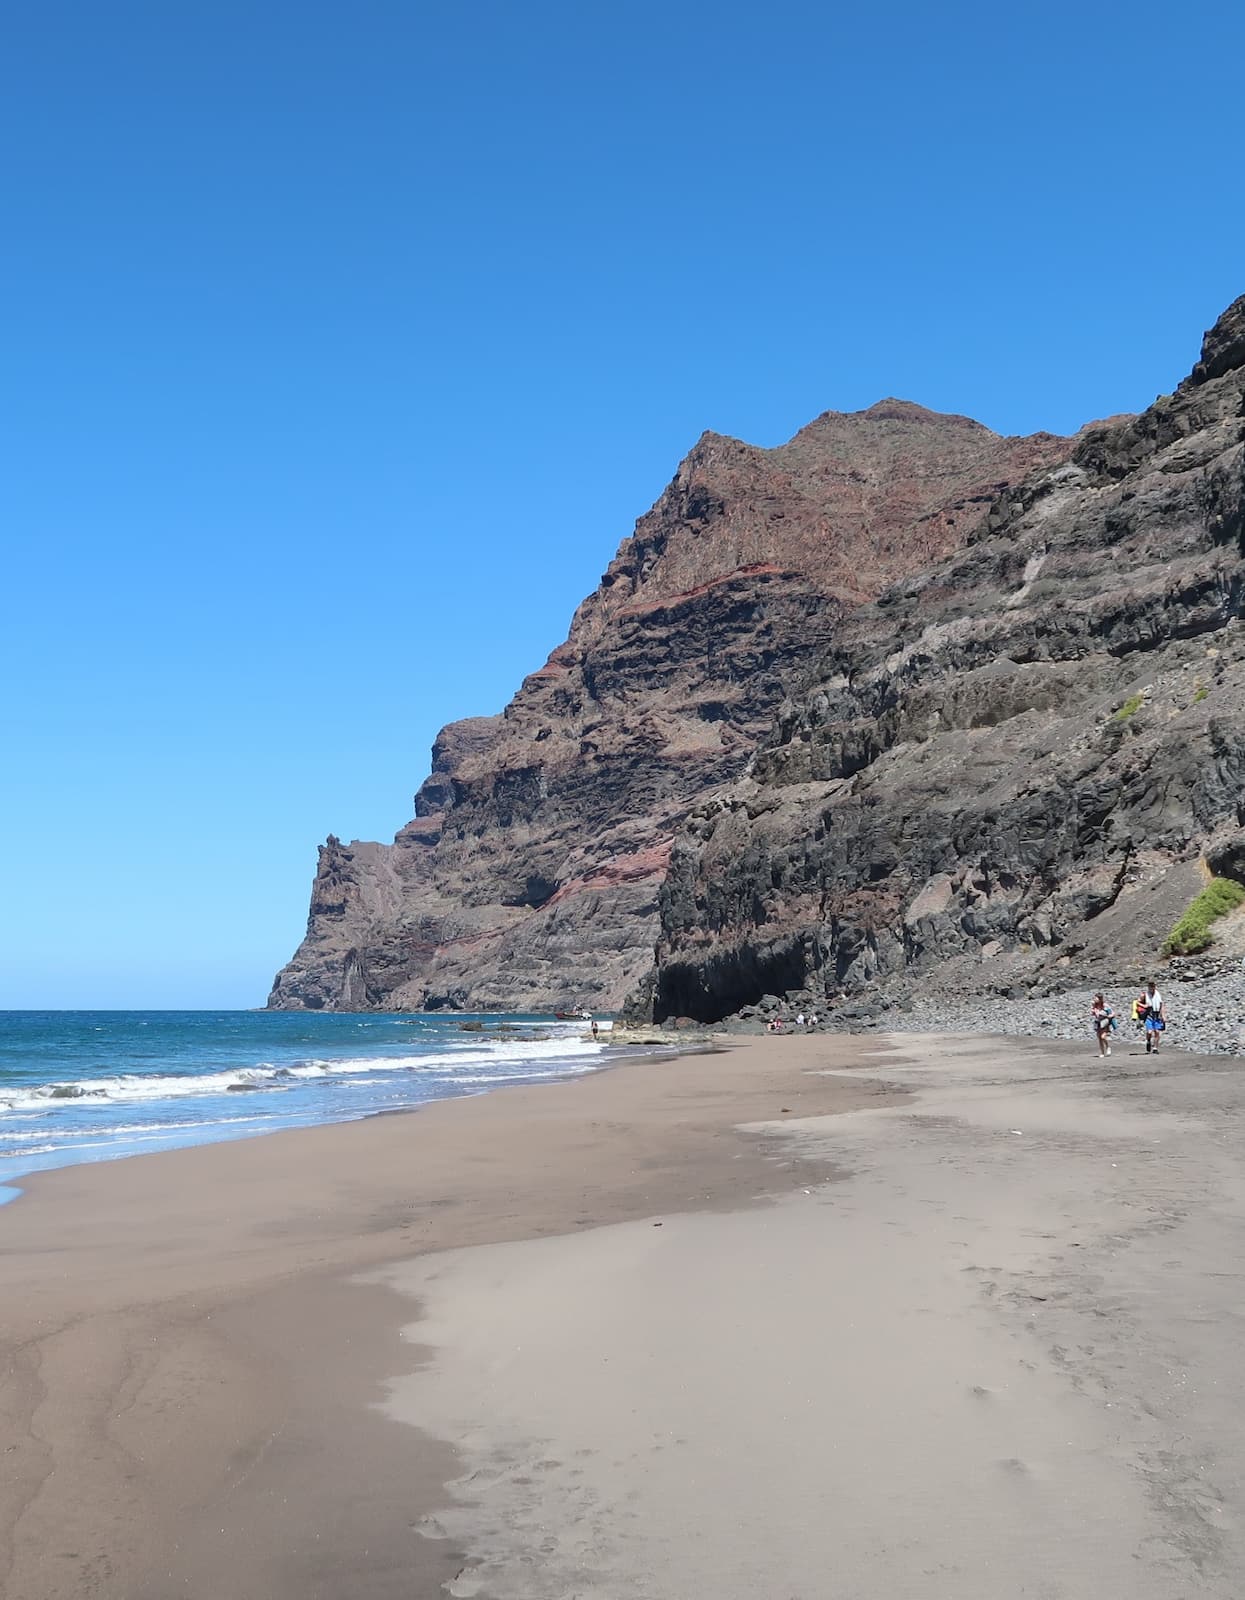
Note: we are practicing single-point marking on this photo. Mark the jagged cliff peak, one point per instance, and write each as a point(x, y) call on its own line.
point(892, 409)
point(888, 409)
point(849, 502)
point(1223, 346)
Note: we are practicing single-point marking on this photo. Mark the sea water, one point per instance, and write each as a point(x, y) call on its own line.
point(90, 1085)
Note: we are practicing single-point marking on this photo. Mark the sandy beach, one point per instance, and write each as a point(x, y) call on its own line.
point(806, 1317)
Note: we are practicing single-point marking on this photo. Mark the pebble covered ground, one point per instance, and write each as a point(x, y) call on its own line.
point(1204, 1001)
point(1205, 1014)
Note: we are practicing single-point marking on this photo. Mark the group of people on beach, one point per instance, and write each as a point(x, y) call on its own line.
point(802, 1022)
point(1147, 1011)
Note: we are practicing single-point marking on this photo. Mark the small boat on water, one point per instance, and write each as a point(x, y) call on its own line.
point(578, 1014)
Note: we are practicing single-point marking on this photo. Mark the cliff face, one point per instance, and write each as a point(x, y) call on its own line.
point(542, 838)
point(1007, 767)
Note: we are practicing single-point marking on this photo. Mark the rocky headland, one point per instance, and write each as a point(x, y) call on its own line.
point(900, 712)
point(531, 872)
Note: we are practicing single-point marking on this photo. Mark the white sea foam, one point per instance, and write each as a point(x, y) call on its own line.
point(460, 1061)
point(91, 1131)
point(528, 1077)
point(135, 1086)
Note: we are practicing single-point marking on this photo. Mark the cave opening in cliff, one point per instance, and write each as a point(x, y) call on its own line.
point(717, 987)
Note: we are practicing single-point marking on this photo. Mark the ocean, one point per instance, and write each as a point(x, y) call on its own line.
point(92, 1085)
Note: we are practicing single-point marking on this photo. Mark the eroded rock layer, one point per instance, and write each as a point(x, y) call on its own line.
point(1017, 760)
point(531, 872)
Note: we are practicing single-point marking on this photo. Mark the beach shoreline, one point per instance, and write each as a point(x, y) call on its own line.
point(79, 1087)
point(194, 1369)
point(14, 1178)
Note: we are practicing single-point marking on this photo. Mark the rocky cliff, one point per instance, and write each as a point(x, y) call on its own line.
point(541, 840)
point(1009, 766)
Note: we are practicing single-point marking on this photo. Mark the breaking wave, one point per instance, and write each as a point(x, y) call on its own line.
point(90, 1085)
point(456, 1061)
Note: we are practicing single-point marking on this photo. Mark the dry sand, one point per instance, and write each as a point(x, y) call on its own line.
point(979, 1340)
point(998, 1360)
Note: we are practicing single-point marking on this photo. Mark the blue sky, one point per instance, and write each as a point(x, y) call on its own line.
point(344, 344)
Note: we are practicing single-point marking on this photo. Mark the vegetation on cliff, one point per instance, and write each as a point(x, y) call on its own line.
point(1192, 934)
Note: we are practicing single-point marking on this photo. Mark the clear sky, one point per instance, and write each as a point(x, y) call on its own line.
point(343, 344)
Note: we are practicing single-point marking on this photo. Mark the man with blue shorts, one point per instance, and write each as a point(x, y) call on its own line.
point(1156, 1022)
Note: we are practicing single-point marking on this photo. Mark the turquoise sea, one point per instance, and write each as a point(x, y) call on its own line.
point(91, 1085)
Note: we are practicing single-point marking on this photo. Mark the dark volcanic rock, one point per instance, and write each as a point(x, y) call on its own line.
point(1011, 762)
point(1223, 348)
point(531, 872)
point(1227, 857)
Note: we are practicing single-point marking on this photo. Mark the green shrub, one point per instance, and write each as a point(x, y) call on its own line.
point(1192, 933)
point(1130, 708)
point(1200, 693)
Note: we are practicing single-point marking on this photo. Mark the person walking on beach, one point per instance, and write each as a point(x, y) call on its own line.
point(1155, 1018)
point(1103, 1019)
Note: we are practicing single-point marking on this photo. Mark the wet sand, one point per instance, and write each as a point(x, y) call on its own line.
point(907, 1317)
point(192, 1368)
